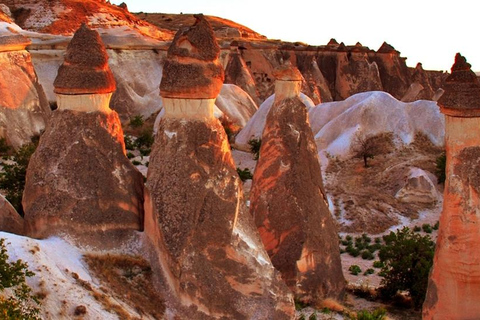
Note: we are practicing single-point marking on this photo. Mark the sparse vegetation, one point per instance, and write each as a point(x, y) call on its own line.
point(137, 121)
point(367, 147)
point(18, 302)
point(145, 141)
point(354, 269)
point(427, 228)
point(244, 174)
point(255, 145)
point(407, 259)
point(441, 164)
point(378, 314)
point(4, 147)
point(436, 225)
point(12, 178)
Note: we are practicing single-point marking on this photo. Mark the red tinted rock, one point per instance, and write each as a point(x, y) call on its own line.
point(80, 184)
point(10, 220)
point(85, 69)
point(206, 249)
point(421, 77)
point(317, 86)
point(192, 69)
point(238, 73)
point(290, 209)
point(454, 284)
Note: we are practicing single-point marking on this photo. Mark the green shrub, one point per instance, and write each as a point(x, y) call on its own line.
point(12, 179)
point(378, 314)
point(313, 316)
point(368, 271)
point(255, 145)
point(4, 147)
point(378, 264)
point(348, 238)
point(137, 121)
point(129, 144)
point(441, 163)
point(354, 252)
point(407, 259)
point(244, 174)
point(367, 255)
point(436, 226)
point(366, 238)
point(427, 228)
point(354, 269)
point(417, 229)
point(130, 155)
point(144, 142)
point(378, 240)
point(136, 163)
point(19, 303)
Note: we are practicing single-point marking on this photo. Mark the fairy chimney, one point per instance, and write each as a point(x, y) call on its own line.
point(288, 202)
point(454, 284)
point(204, 247)
point(79, 182)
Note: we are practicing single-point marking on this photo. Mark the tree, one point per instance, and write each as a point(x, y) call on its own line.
point(18, 302)
point(12, 178)
point(407, 257)
point(368, 146)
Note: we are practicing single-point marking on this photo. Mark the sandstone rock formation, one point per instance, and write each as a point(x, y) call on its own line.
point(316, 83)
point(24, 110)
point(79, 182)
point(236, 104)
point(355, 73)
point(205, 249)
point(454, 284)
point(10, 220)
point(288, 201)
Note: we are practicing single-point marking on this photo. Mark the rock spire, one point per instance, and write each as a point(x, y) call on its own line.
point(454, 284)
point(204, 246)
point(288, 201)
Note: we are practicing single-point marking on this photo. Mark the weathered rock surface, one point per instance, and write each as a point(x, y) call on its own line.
point(290, 208)
point(236, 104)
point(454, 284)
point(24, 110)
point(237, 72)
point(318, 89)
point(419, 187)
point(254, 127)
point(355, 74)
point(207, 249)
point(10, 220)
point(421, 79)
point(80, 183)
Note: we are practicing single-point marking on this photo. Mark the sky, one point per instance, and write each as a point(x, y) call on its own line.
point(426, 31)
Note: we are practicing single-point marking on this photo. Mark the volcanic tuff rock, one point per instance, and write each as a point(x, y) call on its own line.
point(10, 220)
point(237, 72)
point(289, 204)
point(206, 251)
point(24, 109)
point(454, 284)
point(79, 182)
point(236, 104)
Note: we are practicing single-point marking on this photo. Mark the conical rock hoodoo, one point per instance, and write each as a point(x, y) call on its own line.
point(79, 182)
point(288, 201)
point(206, 250)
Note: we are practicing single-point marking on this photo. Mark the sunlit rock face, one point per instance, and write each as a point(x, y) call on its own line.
point(317, 86)
point(24, 110)
point(10, 220)
point(204, 247)
point(288, 202)
point(356, 74)
point(454, 284)
point(79, 182)
point(393, 70)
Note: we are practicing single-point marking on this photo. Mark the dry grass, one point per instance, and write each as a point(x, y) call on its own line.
point(367, 195)
point(128, 279)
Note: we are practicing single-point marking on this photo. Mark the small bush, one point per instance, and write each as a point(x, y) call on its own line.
point(129, 144)
point(407, 259)
point(378, 240)
point(244, 174)
point(137, 121)
point(378, 314)
point(348, 238)
point(4, 147)
point(366, 238)
point(378, 264)
point(441, 163)
point(367, 255)
point(427, 228)
point(130, 155)
point(354, 269)
point(136, 163)
point(368, 272)
point(436, 226)
point(19, 303)
point(255, 145)
point(12, 179)
point(354, 252)
point(417, 229)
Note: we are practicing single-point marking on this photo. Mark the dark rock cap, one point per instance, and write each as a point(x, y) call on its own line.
point(192, 69)
point(287, 72)
point(85, 69)
point(387, 48)
point(462, 91)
